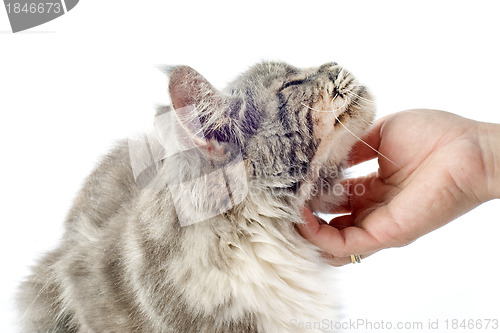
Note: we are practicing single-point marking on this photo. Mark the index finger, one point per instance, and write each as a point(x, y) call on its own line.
point(340, 243)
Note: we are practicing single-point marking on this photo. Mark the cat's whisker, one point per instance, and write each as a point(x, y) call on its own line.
point(357, 103)
point(368, 145)
point(333, 110)
point(357, 137)
point(38, 295)
point(352, 96)
point(357, 85)
point(346, 102)
point(335, 97)
point(366, 100)
point(339, 77)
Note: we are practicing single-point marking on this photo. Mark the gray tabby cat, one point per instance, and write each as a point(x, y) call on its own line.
point(201, 236)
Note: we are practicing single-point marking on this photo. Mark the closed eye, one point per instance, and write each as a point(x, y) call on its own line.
point(291, 83)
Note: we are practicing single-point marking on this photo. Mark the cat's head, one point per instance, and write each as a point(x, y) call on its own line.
point(286, 123)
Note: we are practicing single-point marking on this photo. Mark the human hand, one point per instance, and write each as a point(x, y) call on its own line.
point(439, 167)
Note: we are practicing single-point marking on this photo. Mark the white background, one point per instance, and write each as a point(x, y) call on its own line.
point(71, 87)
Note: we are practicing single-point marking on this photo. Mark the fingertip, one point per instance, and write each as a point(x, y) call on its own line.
point(341, 237)
point(367, 148)
point(311, 224)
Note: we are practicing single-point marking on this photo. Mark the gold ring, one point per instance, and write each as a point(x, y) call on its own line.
point(355, 259)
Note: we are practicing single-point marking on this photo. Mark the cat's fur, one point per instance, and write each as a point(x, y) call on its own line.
point(139, 255)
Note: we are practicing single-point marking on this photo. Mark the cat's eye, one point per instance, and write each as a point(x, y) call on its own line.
point(292, 83)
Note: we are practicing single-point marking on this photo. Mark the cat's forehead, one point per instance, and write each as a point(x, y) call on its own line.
point(266, 72)
point(274, 69)
point(269, 73)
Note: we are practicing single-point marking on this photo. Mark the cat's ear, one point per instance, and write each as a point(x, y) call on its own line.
point(188, 87)
point(205, 113)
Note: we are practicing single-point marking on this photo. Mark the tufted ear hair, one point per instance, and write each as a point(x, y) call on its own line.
point(209, 117)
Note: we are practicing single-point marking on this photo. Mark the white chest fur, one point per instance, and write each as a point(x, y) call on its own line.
point(276, 276)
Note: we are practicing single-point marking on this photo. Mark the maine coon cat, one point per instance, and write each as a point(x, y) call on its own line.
point(192, 228)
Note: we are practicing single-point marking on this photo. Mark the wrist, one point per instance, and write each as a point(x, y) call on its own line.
point(490, 146)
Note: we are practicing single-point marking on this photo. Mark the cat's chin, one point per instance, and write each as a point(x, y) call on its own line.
point(324, 193)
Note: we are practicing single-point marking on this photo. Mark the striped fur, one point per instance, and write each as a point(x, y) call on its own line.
point(127, 263)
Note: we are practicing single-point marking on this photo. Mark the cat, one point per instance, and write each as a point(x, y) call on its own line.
point(191, 228)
